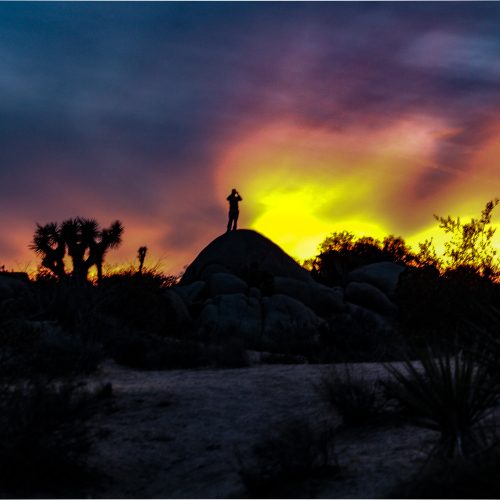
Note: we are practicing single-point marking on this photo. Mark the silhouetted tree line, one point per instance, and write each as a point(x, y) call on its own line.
point(82, 240)
point(469, 251)
point(437, 295)
point(341, 252)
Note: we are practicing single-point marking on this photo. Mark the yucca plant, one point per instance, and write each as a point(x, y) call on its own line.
point(488, 334)
point(451, 393)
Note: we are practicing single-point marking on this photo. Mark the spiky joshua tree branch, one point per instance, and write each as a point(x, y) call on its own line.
point(79, 238)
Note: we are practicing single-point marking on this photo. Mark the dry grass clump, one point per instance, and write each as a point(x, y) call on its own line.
point(287, 462)
point(357, 400)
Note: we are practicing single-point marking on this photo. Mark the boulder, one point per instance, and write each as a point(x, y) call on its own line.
point(370, 297)
point(383, 275)
point(233, 314)
point(224, 283)
point(284, 315)
point(322, 299)
point(211, 269)
point(178, 306)
point(247, 254)
point(381, 324)
point(190, 293)
point(255, 293)
point(326, 300)
point(299, 290)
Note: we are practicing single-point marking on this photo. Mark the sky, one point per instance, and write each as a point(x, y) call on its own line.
point(360, 116)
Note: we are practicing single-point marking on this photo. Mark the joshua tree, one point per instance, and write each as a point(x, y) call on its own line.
point(141, 254)
point(79, 238)
point(78, 234)
point(99, 246)
point(48, 242)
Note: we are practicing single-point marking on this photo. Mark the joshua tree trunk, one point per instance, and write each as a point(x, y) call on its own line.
point(141, 253)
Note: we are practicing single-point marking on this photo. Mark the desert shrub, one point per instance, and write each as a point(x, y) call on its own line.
point(149, 278)
point(342, 252)
point(285, 462)
point(229, 354)
point(30, 348)
point(450, 393)
point(137, 302)
point(276, 358)
point(44, 438)
point(73, 306)
point(148, 352)
point(486, 334)
point(470, 244)
point(357, 400)
point(433, 306)
point(455, 479)
point(358, 337)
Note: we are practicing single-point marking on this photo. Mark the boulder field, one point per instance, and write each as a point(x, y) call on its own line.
point(244, 284)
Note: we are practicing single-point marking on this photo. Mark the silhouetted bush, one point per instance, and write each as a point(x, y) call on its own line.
point(433, 306)
point(29, 348)
point(358, 337)
point(138, 302)
point(487, 335)
point(149, 352)
point(342, 252)
point(476, 478)
point(285, 463)
point(357, 400)
point(229, 354)
point(282, 359)
point(470, 245)
point(44, 438)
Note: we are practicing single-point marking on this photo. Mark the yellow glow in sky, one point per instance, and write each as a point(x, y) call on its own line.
point(299, 185)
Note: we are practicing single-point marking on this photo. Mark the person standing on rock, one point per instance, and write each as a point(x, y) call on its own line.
point(234, 198)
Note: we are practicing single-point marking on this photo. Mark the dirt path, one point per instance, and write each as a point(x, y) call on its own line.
point(173, 434)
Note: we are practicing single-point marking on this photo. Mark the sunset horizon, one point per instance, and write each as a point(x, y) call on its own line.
point(326, 117)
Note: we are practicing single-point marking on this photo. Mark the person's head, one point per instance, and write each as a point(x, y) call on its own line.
point(234, 191)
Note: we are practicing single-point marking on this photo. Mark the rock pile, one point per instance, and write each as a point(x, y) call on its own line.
point(244, 284)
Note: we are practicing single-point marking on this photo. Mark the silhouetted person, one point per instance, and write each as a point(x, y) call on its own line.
point(234, 198)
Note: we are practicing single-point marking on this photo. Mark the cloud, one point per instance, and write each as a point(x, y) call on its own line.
point(461, 56)
point(129, 110)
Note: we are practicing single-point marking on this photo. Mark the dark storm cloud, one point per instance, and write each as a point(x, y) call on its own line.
point(136, 101)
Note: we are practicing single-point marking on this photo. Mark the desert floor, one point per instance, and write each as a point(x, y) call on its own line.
point(173, 434)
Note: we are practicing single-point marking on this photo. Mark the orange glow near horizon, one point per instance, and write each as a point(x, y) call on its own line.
point(301, 183)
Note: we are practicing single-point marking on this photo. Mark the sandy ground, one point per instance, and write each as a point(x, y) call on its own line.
point(173, 434)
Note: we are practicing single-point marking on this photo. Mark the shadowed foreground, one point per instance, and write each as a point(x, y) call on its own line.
point(174, 434)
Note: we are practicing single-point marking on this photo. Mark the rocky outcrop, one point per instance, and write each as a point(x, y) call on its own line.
point(212, 269)
point(234, 314)
point(322, 299)
point(242, 284)
point(284, 315)
point(190, 293)
point(243, 253)
point(224, 283)
point(178, 306)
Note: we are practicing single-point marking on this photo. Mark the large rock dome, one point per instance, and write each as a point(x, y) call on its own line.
point(238, 251)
